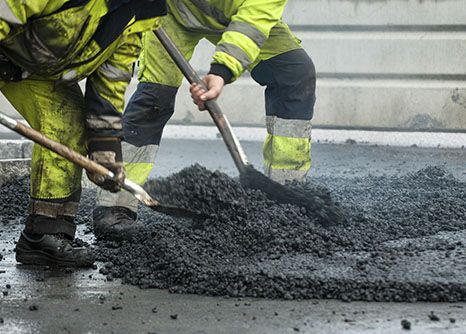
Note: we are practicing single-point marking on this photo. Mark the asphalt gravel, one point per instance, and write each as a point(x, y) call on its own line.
point(403, 239)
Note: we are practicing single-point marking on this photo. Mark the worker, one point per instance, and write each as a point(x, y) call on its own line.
point(46, 47)
point(249, 35)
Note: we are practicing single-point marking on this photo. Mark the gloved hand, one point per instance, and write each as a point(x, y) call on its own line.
point(107, 152)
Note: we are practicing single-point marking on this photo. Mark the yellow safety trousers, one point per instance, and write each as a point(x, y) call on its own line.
point(58, 113)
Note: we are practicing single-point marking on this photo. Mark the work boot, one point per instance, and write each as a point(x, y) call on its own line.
point(115, 223)
point(51, 250)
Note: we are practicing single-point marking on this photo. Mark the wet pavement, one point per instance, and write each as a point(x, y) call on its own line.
point(85, 301)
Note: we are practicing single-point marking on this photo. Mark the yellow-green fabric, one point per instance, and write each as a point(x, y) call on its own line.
point(139, 161)
point(66, 50)
point(57, 113)
point(261, 17)
point(50, 99)
point(286, 153)
point(244, 26)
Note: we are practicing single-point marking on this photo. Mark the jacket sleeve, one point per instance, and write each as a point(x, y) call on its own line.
point(14, 12)
point(105, 89)
point(244, 37)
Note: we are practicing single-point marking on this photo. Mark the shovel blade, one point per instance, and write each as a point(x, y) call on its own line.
point(323, 208)
point(179, 212)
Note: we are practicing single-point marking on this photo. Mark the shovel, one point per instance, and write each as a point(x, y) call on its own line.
point(93, 167)
point(316, 205)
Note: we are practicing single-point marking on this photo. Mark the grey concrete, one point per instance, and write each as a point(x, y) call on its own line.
point(384, 64)
point(375, 12)
point(327, 159)
point(81, 301)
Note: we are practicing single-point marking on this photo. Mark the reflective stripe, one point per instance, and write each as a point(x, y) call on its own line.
point(283, 175)
point(144, 153)
point(6, 13)
point(252, 32)
point(114, 73)
point(52, 210)
point(211, 11)
point(69, 76)
point(236, 52)
point(139, 162)
point(104, 122)
point(189, 19)
point(294, 128)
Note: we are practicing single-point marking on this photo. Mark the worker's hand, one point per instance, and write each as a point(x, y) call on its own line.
point(107, 152)
point(214, 84)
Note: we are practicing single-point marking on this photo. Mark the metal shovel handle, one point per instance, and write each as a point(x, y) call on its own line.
point(220, 120)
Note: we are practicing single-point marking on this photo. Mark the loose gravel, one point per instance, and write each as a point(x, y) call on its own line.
point(403, 239)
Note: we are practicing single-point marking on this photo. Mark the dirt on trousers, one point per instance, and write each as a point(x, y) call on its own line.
point(404, 239)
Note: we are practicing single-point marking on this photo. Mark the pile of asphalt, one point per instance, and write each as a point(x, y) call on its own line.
point(404, 239)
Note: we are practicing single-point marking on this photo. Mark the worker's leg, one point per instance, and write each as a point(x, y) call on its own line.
point(57, 112)
point(149, 109)
point(289, 77)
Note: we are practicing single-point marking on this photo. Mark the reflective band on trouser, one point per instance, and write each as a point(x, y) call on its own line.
point(97, 122)
point(7, 14)
point(295, 128)
point(139, 162)
point(287, 149)
point(234, 51)
point(286, 158)
point(114, 73)
point(51, 209)
point(252, 32)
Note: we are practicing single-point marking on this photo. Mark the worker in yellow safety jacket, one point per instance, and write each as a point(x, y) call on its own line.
point(46, 47)
point(249, 35)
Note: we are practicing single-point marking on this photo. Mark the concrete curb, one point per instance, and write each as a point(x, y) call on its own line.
point(22, 149)
point(15, 149)
point(390, 138)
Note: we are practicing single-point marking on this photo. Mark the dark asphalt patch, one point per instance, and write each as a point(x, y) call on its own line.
point(406, 324)
point(404, 240)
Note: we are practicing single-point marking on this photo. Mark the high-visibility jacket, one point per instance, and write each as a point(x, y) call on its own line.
point(246, 25)
point(69, 40)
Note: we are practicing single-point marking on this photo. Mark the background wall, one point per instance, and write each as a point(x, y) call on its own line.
point(392, 64)
point(380, 63)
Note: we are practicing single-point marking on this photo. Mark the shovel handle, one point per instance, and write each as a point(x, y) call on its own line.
point(54, 146)
point(220, 120)
point(75, 158)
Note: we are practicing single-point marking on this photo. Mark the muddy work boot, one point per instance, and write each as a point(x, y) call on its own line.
point(51, 250)
point(49, 232)
point(115, 223)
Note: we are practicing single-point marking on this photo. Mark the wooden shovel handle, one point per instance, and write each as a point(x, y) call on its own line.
point(62, 150)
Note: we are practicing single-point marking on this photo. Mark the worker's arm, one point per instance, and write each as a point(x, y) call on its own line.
point(104, 99)
point(239, 46)
point(14, 12)
point(243, 39)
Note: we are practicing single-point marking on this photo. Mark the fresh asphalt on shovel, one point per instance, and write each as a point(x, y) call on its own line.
point(322, 207)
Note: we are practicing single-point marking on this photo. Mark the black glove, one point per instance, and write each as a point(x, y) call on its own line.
point(107, 152)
